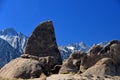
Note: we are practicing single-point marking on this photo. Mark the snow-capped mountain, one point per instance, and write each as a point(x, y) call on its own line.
point(70, 48)
point(7, 52)
point(15, 39)
point(103, 44)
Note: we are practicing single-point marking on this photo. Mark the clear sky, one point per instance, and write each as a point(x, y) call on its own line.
point(90, 21)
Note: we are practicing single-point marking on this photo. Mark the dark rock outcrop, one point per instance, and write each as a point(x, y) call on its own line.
point(94, 50)
point(42, 42)
point(40, 57)
point(71, 65)
point(56, 69)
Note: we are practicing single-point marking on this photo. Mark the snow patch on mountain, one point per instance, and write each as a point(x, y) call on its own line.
point(15, 39)
point(103, 44)
point(70, 48)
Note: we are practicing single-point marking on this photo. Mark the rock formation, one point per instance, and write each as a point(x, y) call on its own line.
point(21, 68)
point(105, 66)
point(71, 65)
point(79, 62)
point(42, 42)
point(94, 50)
point(41, 55)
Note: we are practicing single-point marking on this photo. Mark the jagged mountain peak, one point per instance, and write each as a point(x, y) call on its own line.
point(103, 43)
point(73, 47)
point(8, 31)
point(82, 44)
point(14, 38)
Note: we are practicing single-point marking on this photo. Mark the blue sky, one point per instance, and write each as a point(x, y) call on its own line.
point(90, 21)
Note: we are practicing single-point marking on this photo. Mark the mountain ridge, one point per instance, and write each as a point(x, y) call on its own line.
point(15, 39)
point(7, 52)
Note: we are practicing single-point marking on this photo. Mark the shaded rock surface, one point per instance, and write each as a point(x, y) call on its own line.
point(94, 50)
point(71, 65)
point(42, 42)
point(105, 66)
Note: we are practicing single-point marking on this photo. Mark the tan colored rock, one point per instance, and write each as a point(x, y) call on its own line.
point(105, 66)
point(72, 64)
point(27, 68)
point(21, 68)
point(80, 77)
point(111, 50)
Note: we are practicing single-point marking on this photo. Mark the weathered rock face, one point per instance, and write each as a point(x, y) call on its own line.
point(71, 65)
point(114, 50)
point(94, 50)
point(79, 62)
point(42, 42)
point(108, 60)
point(107, 49)
point(41, 55)
point(105, 66)
point(21, 68)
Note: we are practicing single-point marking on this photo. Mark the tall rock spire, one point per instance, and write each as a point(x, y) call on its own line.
point(42, 42)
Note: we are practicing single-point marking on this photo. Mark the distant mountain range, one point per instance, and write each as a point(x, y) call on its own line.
point(16, 39)
point(70, 48)
point(13, 44)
